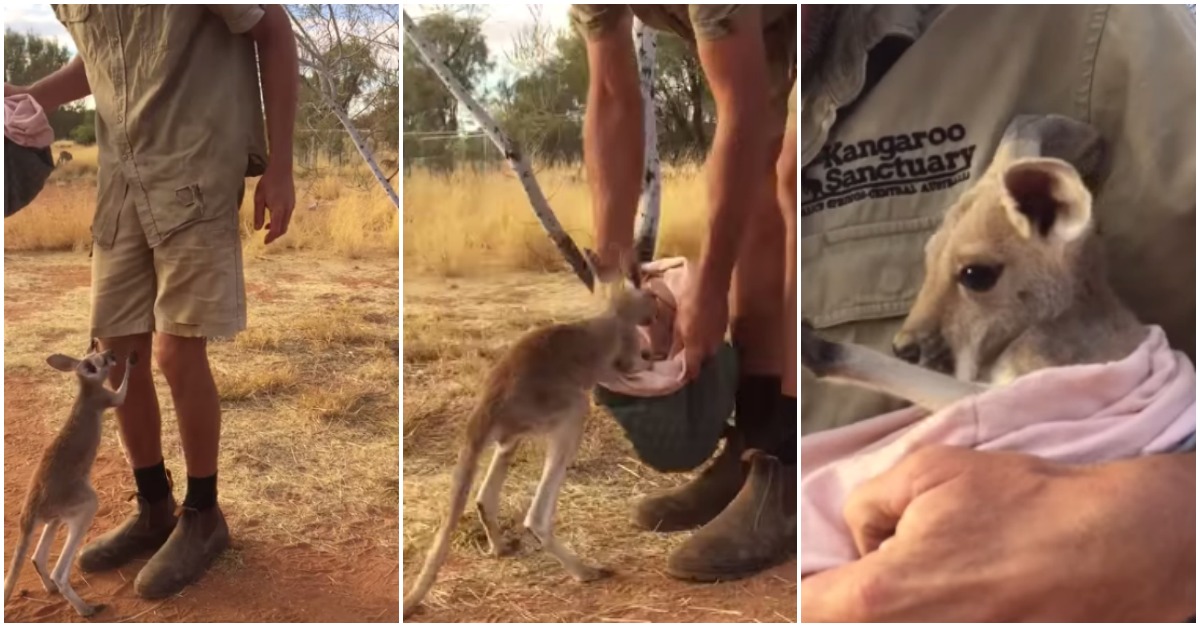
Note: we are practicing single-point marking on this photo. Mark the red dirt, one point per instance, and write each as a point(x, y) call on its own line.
point(254, 582)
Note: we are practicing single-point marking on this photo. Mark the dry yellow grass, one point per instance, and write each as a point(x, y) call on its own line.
point(339, 210)
point(469, 222)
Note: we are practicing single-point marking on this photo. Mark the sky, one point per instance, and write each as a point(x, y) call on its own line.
point(37, 19)
point(501, 24)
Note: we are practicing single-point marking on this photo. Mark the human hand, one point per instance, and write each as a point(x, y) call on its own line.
point(276, 192)
point(12, 90)
point(983, 537)
point(700, 322)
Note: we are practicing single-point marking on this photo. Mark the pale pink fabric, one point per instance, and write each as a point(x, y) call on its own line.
point(25, 123)
point(665, 280)
point(1143, 404)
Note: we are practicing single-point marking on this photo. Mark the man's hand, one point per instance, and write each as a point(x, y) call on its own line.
point(279, 68)
point(700, 322)
point(1007, 537)
point(276, 192)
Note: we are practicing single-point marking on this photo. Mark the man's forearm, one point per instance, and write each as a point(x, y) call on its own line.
point(736, 163)
point(67, 84)
point(613, 154)
point(280, 72)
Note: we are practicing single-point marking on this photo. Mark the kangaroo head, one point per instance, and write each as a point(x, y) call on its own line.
point(1015, 251)
point(92, 369)
point(621, 290)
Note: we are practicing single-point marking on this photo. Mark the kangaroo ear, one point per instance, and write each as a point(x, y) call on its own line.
point(62, 362)
point(1056, 137)
point(1046, 198)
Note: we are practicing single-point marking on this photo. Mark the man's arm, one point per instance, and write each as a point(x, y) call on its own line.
point(736, 68)
point(67, 84)
point(612, 136)
point(280, 73)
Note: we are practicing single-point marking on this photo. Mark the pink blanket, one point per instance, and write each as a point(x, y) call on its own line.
point(1142, 404)
point(25, 123)
point(664, 279)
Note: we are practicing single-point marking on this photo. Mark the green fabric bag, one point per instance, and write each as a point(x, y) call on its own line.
point(680, 431)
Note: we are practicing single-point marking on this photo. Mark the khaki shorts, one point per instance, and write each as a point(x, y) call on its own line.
point(190, 285)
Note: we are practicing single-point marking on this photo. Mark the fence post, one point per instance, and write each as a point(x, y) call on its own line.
point(648, 211)
point(541, 208)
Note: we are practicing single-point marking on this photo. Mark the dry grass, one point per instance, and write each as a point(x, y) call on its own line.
point(469, 222)
point(339, 210)
point(453, 330)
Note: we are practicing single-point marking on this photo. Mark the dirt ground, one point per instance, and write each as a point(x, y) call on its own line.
point(308, 477)
point(453, 328)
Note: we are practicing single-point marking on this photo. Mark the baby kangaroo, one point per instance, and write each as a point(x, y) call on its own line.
point(541, 387)
point(1015, 281)
point(61, 490)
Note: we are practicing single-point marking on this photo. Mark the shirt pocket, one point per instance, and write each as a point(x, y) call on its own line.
point(178, 206)
point(863, 271)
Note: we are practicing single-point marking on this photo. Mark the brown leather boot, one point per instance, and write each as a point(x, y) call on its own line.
point(197, 540)
point(140, 534)
point(757, 530)
point(698, 501)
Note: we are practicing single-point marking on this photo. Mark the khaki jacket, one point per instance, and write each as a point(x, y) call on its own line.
point(876, 177)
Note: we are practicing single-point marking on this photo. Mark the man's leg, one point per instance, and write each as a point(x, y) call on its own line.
point(184, 363)
point(123, 293)
point(200, 294)
point(756, 321)
point(758, 528)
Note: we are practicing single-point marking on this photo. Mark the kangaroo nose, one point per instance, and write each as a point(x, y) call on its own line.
point(907, 348)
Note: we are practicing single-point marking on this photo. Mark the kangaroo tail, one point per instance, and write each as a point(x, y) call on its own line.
point(464, 473)
point(14, 569)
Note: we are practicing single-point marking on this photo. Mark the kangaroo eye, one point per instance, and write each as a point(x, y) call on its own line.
point(979, 277)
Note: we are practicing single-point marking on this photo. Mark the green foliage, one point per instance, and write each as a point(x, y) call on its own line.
point(542, 106)
point(459, 42)
point(29, 58)
point(85, 133)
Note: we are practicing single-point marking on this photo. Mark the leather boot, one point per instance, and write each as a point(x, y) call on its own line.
point(139, 535)
point(197, 540)
point(757, 530)
point(698, 501)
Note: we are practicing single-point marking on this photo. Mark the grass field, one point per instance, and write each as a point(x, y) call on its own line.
point(475, 279)
point(472, 223)
point(310, 440)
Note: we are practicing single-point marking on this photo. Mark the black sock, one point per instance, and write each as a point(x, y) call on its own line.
point(152, 483)
point(201, 492)
point(786, 452)
point(755, 405)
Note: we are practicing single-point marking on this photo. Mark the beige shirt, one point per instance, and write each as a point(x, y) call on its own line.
point(875, 181)
point(179, 119)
